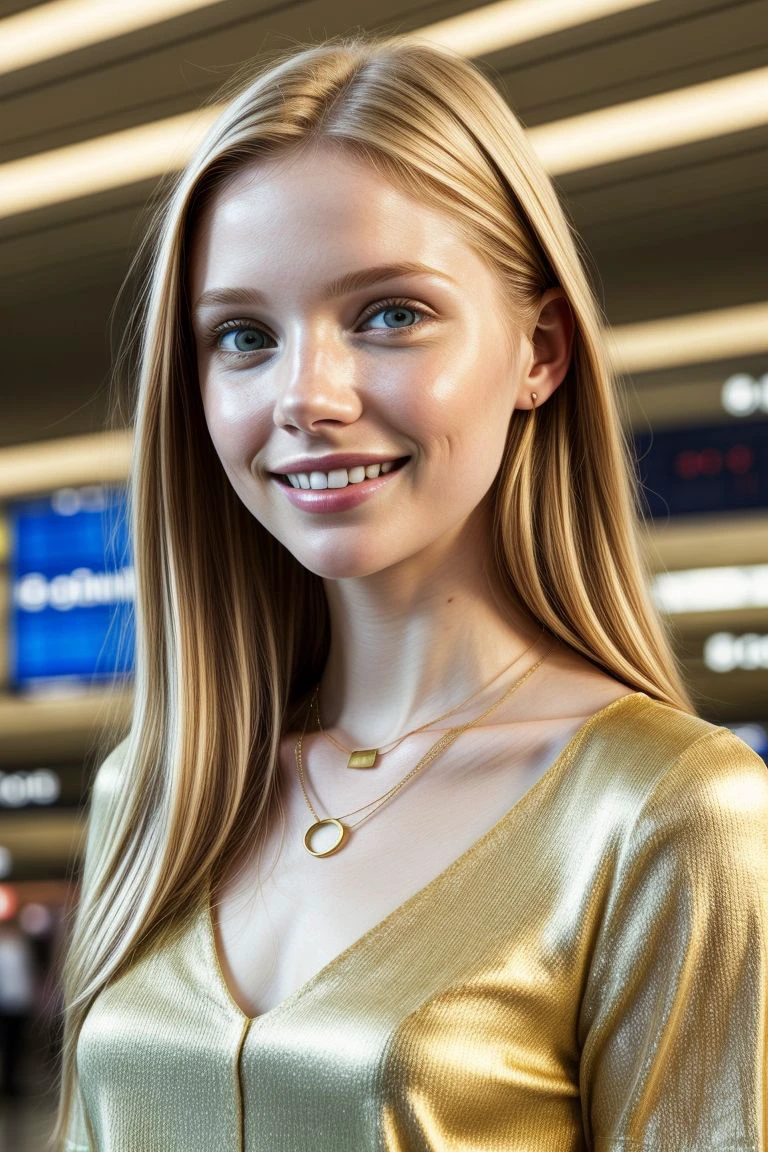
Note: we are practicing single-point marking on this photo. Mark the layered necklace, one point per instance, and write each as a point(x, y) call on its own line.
point(367, 758)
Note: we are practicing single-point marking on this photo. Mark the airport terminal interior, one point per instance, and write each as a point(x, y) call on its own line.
point(651, 117)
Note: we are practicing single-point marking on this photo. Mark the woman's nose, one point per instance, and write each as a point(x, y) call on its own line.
point(320, 383)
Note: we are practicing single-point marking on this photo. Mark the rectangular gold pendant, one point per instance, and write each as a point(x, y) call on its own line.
point(363, 758)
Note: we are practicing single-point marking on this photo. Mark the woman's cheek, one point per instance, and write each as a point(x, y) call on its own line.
point(233, 426)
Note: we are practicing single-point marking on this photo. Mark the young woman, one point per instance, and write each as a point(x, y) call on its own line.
point(416, 840)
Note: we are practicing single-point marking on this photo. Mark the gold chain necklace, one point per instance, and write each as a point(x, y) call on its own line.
point(443, 742)
point(366, 757)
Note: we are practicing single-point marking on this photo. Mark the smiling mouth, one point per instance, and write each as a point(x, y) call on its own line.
point(283, 479)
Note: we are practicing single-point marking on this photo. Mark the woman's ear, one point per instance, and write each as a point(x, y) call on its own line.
point(552, 347)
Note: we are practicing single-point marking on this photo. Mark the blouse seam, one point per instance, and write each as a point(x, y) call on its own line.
point(239, 1084)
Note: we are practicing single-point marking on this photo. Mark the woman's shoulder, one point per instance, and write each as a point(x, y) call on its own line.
point(630, 735)
point(640, 728)
point(687, 775)
point(712, 768)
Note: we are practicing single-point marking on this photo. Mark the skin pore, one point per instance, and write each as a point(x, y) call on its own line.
point(416, 626)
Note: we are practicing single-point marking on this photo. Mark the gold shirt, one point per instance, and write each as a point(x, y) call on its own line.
point(591, 974)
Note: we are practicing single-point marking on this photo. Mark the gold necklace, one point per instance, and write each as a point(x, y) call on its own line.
point(366, 757)
point(443, 742)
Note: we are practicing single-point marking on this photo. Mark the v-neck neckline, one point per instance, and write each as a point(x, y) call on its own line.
point(563, 757)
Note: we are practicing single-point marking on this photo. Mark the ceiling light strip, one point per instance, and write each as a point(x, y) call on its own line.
point(509, 22)
point(697, 338)
point(667, 120)
point(50, 30)
point(102, 163)
point(151, 150)
point(65, 462)
point(54, 29)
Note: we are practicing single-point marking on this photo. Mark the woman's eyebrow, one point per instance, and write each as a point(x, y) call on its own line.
point(349, 282)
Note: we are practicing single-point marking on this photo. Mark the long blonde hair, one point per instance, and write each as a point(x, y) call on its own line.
point(231, 631)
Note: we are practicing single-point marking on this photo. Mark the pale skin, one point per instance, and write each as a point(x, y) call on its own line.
point(416, 625)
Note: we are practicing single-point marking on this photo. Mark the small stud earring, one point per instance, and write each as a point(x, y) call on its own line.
point(534, 397)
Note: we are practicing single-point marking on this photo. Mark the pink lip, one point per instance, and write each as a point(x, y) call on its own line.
point(336, 499)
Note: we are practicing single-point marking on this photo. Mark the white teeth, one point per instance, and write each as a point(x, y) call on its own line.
point(339, 477)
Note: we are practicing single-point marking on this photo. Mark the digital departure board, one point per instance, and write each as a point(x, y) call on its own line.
point(721, 468)
point(71, 575)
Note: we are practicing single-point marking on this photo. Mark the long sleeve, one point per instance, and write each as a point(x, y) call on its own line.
point(674, 1018)
point(102, 794)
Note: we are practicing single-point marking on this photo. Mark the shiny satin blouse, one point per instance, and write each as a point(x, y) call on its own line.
point(591, 974)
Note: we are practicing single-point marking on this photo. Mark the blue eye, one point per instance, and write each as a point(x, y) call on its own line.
point(244, 339)
point(399, 311)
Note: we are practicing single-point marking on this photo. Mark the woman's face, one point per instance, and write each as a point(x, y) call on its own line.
point(407, 364)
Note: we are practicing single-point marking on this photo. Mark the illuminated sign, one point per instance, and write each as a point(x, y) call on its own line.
point(721, 589)
point(724, 652)
point(712, 469)
point(56, 785)
point(743, 395)
point(72, 588)
point(41, 786)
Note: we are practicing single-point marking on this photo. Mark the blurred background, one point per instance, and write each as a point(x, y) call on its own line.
point(651, 117)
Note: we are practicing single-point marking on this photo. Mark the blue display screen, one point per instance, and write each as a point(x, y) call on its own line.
point(72, 588)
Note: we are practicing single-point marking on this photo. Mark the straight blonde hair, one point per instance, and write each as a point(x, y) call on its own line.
point(232, 633)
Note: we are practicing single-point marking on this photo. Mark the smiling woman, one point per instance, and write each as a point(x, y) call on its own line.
point(425, 374)
point(385, 539)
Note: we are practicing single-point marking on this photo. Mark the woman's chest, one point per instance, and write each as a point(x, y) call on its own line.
point(469, 991)
point(287, 918)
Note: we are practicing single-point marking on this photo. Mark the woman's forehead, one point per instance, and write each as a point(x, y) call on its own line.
point(312, 190)
point(270, 223)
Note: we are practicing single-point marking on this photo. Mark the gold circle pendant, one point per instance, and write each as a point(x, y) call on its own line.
point(343, 830)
